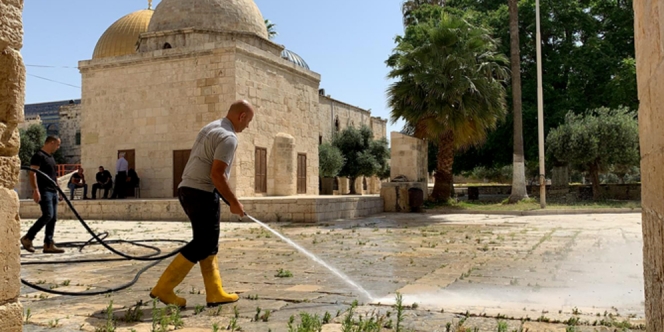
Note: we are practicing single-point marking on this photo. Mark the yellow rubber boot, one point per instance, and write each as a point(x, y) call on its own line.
point(172, 276)
point(214, 292)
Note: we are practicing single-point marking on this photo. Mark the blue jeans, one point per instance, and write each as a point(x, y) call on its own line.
point(72, 187)
point(49, 208)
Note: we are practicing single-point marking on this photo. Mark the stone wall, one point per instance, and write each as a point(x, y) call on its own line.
point(286, 99)
point(267, 209)
point(332, 111)
point(28, 121)
point(12, 99)
point(153, 105)
point(408, 157)
point(70, 128)
point(649, 31)
point(625, 192)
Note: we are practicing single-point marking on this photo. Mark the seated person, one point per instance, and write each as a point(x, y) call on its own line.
point(132, 181)
point(104, 181)
point(77, 180)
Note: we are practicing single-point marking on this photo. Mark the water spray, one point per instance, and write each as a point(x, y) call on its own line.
point(154, 257)
point(315, 258)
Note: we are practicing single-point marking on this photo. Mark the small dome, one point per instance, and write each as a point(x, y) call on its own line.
point(121, 37)
point(216, 15)
point(294, 58)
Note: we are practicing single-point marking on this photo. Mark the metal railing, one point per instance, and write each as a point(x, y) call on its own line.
point(63, 169)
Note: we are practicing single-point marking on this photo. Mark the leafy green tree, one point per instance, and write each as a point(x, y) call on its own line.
point(588, 63)
point(330, 160)
point(271, 31)
point(363, 155)
point(410, 7)
point(449, 87)
point(603, 139)
point(32, 139)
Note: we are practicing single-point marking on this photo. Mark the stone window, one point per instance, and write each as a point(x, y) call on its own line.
point(260, 165)
point(336, 124)
point(320, 139)
point(167, 46)
point(335, 186)
point(301, 173)
point(78, 138)
point(364, 184)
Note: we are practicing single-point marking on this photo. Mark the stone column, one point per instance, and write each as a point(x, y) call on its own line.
point(649, 31)
point(12, 99)
point(285, 169)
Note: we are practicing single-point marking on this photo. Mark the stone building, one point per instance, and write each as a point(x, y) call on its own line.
point(49, 113)
point(12, 98)
point(157, 77)
point(69, 131)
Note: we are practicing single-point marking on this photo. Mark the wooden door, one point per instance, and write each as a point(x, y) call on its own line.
point(301, 173)
point(260, 167)
point(180, 158)
point(130, 156)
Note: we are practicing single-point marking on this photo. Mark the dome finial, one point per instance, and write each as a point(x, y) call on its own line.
point(149, 4)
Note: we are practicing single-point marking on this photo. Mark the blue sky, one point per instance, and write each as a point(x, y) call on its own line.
point(345, 41)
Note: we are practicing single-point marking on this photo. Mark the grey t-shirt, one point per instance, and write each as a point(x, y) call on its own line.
point(217, 140)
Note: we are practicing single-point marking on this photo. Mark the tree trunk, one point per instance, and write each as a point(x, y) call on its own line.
point(351, 184)
point(594, 176)
point(444, 161)
point(519, 191)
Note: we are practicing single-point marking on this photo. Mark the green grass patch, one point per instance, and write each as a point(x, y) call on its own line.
point(531, 205)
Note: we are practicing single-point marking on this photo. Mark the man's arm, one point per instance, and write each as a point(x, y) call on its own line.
point(33, 183)
point(220, 182)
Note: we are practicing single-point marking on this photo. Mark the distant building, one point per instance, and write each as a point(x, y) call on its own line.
point(156, 77)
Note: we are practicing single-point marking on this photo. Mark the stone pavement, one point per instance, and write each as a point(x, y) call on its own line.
point(456, 273)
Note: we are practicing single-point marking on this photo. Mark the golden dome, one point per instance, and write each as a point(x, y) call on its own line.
point(121, 37)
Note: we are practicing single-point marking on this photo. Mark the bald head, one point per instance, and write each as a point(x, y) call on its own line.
point(240, 114)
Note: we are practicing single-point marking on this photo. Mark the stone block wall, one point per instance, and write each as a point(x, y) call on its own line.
point(408, 157)
point(286, 102)
point(267, 209)
point(332, 111)
point(70, 128)
point(12, 99)
point(153, 105)
point(649, 38)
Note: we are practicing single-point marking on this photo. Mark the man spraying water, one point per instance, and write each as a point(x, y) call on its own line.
point(204, 179)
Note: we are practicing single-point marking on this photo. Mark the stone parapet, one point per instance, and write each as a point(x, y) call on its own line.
point(267, 209)
point(12, 100)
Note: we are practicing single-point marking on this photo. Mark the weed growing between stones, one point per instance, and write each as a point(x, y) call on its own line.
point(134, 313)
point(109, 325)
point(162, 318)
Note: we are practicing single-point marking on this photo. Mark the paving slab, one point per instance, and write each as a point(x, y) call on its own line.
point(454, 272)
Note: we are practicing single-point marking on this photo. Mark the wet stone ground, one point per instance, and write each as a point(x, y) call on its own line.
point(454, 273)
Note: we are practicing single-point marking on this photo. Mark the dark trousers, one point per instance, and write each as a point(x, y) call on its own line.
point(98, 186)
point(204, 212)
point(120, 190)
point(49, 209)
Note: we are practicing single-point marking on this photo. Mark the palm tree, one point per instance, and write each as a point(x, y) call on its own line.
point(409, 6)
point(519, 191)
point(271, 32)
point(449, 88)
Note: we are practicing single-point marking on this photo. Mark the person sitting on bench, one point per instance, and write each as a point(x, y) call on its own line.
point(104, 181)
point(77, 180)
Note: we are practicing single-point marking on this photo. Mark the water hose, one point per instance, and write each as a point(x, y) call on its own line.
point(99, 239)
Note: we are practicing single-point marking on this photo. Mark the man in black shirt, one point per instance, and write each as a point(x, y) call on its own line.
point(45, 193)
point(104, 180)
point(77, 180)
